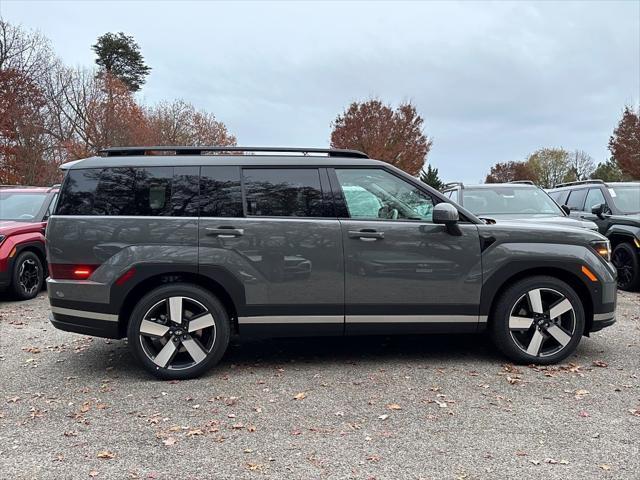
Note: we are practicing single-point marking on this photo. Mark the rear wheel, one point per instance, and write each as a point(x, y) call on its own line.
point(179, 331)
point(538, 320)
point(28, 276)
point(625, 258)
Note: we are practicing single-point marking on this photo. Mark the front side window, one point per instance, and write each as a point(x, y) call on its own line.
point(20, 206)
point(377, 194)
point(454, 195)
point(283, 192)
point(595, 198)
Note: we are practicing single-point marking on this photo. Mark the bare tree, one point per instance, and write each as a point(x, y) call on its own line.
point(550, 166)
point(581, 165)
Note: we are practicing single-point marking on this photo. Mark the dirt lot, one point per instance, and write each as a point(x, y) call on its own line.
point(364, 408)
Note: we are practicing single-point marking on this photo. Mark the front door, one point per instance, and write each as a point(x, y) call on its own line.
point(277, 236)
point(402, 272)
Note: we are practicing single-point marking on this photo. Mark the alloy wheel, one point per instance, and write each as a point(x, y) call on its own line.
point(177, 333)
point(29, 276)
point(623, 262)
point(542, 322)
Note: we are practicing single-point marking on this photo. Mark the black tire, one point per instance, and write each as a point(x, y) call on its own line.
point(626, 259)
point(27, 276)
point(514, 339)
point(212, 346)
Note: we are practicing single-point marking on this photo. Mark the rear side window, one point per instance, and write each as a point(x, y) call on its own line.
point(576, 199)
point(283, 192)
point(559, 197)
point(220, 192)
point(153, 191)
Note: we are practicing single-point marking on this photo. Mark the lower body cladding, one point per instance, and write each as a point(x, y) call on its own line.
point(312, 325)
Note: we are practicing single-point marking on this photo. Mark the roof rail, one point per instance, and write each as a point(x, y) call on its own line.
point(453, 184)
point(18, 186)
point(524, 182)
point(209, 150)
point(55, 185)
point(579, 182)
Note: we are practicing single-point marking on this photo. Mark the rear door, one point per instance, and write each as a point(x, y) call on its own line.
point(273, 230)
point(402, 272)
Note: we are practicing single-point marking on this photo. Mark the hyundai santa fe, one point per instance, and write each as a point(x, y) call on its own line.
point(178, 248)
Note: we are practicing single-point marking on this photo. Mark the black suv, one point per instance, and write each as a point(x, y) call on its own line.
point(177, 248)
point(615, 208)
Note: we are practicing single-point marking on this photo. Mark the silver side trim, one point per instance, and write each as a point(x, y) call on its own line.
point(412, 318)
point(483, 319)
point(108, 317)
point(292, 319)
point(598, 317)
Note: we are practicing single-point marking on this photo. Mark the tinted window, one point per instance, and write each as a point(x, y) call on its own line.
point(626, 198)
point(154, 191)
point(594, 199)
point(376, 194)
point(221, 195)
point(78, 192)
point(576, 199)
point(283, 192)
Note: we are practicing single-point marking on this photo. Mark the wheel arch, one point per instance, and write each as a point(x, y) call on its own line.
point(489, 302)
point(151, 282)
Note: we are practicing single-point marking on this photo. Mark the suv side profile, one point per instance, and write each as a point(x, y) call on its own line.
point(615, 208)
point(23, 217)
point(177, 248)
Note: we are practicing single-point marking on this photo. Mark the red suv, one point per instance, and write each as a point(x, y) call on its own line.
point(23, 218)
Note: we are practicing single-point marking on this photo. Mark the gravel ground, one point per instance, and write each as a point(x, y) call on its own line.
point(363, 408)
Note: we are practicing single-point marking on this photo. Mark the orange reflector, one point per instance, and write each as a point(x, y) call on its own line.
point(12, 252)
point(589, 274)
point(637, 242)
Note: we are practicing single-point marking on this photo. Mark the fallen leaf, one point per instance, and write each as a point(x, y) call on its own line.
point(106, 455)
point(169, 441)
point(394, 406)
point(93, 473)
point(194, 432)
point(383, 417)
point(604, 466)
point(599, 363)
point(300, 396)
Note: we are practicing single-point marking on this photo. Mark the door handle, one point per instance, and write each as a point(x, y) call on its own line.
point(224, 232)
point(366, 234)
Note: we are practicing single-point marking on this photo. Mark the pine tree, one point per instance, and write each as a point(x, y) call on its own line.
point(431, 178)
point(119, 55)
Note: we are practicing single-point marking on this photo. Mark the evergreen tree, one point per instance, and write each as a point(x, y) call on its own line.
point(119, 55)
point(431, 178)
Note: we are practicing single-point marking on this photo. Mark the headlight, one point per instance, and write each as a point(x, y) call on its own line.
point(602, 248)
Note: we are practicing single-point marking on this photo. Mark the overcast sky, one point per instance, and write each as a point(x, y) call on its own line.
point(493, 81)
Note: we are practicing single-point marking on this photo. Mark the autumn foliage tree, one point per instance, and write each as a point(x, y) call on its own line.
point(624, 144)
point(510, 171)
point(395, 136)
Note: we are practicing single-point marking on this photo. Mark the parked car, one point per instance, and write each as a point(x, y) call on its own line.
point(520, 200)
point(180, 249)
point(615, 208)
point(23, 217)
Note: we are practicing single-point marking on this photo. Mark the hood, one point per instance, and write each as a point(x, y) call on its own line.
point(629, 219)
point(11, 226)
point(546, 219)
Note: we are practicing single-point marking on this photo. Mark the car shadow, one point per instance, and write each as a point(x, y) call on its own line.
point(313, 352)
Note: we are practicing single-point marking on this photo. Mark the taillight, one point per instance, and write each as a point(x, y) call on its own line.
point(63, 271)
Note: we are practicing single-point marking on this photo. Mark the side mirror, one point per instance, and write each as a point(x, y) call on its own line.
point(599, 210)
point(566, 209)
point(447, 215)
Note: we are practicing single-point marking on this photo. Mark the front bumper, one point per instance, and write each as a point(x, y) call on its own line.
point(602, 320)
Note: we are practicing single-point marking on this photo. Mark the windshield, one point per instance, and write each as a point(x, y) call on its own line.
point(626, 198)
point(509, 200)
point(20, 206)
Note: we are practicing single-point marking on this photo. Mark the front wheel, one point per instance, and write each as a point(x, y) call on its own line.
point(179, 331)
point(538, 320)
point(625, 259)
point(28, 276)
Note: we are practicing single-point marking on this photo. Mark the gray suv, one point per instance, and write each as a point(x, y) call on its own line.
point(178, 248)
